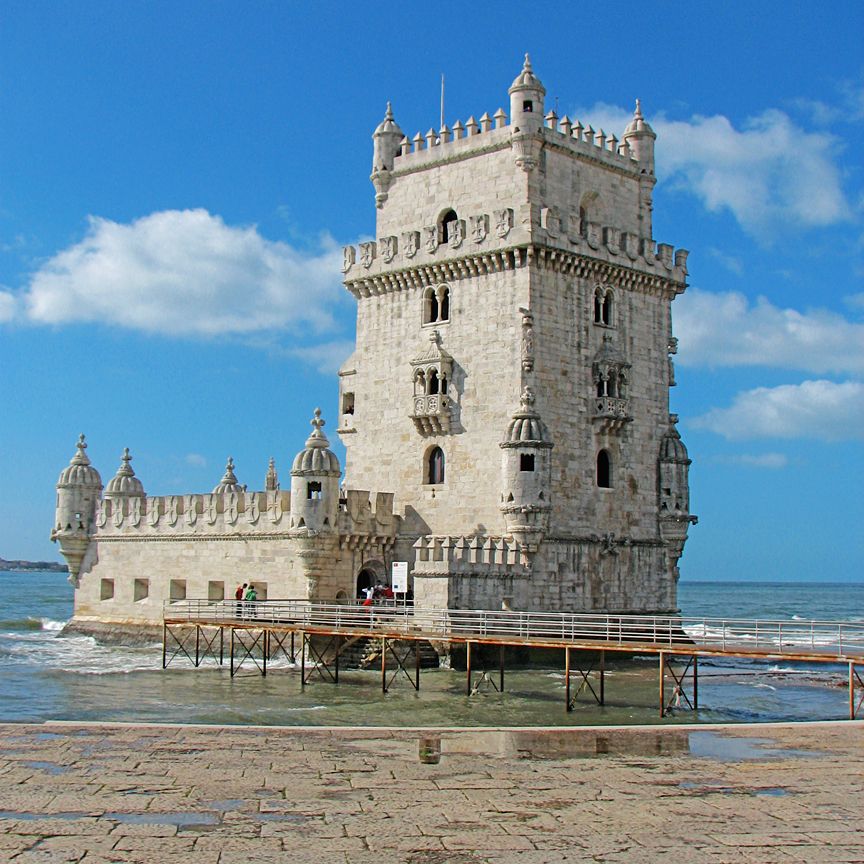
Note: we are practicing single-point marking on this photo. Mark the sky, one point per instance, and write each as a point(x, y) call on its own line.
point(177, 180)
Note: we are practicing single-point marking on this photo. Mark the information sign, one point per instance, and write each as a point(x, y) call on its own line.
point(400, 577)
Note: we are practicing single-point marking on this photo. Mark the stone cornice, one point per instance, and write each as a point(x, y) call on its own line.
point(543, 257)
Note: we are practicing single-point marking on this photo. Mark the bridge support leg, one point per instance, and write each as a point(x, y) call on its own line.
point(221, 646)
point(602, 677)
point(585, 683)
point(695, 683)
point(501, 668)
point(417, 664)
point(265, 650)
point(164, 645)
point(303, 659)
point(856, 682)
point(567, 699)
point(232, 652)
point(197, 645)
point(468, 668)
point(662, 683)
point(383, 664)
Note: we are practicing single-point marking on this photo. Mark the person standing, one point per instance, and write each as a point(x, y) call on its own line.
point(251, 599)
point(239, 594)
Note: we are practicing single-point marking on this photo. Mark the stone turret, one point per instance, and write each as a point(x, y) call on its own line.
point(640, 138)
point(526, 467)
point(124, 484)
point(526, 116)
point(78, 490)
point(315, 482)
point(674, 492)
point(386, 140)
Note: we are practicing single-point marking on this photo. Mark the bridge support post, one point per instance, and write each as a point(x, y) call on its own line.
point(221, 646)
point(303, 660)
point(468, 668)
point(501, 667)
point(164, 645)
point(567, 679)
point(602, 677)
point(232, 652)
point(383, 664)
point(855, 683)
point(662, 683)
point(197, 645)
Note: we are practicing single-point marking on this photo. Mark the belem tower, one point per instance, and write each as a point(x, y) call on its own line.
point(505, 413)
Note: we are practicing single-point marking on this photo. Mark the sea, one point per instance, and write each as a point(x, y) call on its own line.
point(47, 675)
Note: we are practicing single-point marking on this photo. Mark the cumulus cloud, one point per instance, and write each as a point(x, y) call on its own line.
point(185, 273)
point(8, 306)
point(726, 329)
point(770, 173)
point(823, 410)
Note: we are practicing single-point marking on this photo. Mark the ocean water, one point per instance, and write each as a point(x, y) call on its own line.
point(45, 675)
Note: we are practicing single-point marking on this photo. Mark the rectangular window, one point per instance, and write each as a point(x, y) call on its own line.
point(347, 403)
point(313, 490)
point(526, 461)
point(177, 589)
point(106, 589)
point(215, 591)
point(141, 590)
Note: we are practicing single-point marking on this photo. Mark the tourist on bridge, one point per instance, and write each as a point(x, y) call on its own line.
point(239, 594)
point(251, 599)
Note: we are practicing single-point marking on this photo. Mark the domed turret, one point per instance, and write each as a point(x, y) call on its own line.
point(386, 141)
point(526, 471)
point(640, 137)
point(526, 116)
point(78, 489)
point(315, 482)
point(228, 483)
point(124, 484)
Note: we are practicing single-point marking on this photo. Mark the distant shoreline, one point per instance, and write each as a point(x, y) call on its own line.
point(20, 566)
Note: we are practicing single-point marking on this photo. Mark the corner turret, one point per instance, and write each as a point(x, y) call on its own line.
point(674, 493)
point(315, 482)
point(387, 139)
point(526, 473)
point(78, 490)
point(526, 116)
point(228, 483)
point(640, 138)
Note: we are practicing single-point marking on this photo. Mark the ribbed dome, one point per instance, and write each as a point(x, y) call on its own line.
point(80, 472)
point(316, 458)
point(526, 79)
point(124, 484)
point(638, 123)
point(228, 483)
point(608, 354)
point(672, 448)
point(388, 126)
point(526, 427)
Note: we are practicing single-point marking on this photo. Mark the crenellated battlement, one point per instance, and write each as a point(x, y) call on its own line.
point(468, 553)
point(496, 132)
point(494, 242)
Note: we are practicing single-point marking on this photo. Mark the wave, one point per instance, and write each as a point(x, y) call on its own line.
point(31, 623)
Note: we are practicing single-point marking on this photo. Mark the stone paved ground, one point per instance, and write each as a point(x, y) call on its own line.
point(215, 795)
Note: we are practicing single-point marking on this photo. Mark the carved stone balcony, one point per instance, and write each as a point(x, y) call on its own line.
point(431, 414)
point(611, 413)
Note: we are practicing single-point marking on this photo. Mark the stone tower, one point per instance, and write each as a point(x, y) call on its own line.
point(515, 264)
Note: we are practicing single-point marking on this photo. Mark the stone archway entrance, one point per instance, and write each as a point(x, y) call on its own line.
point(366, 578)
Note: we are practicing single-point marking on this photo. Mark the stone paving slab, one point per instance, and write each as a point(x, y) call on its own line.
point(100, 793)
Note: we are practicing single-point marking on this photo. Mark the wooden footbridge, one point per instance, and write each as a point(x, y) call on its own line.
point(318, 634)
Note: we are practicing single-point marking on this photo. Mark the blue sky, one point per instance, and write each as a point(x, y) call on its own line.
point(176, 181)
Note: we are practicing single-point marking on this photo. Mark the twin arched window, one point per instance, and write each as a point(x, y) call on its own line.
point(435, 466)
point(436, 305)
point(429, 382)
point(603, 306)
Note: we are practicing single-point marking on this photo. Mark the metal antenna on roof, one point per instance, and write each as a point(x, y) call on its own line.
point(441, 124)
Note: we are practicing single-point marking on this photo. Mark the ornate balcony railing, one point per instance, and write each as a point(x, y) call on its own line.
point(431, 414)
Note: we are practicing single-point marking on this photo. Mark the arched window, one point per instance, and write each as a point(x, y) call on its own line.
point(435, 466)
point(607, 309)
point(446, 221)
point(433, 382)
point(443, 303)
point(419, 383)
point(583, 222)
point(604, 470)
point(313, 490)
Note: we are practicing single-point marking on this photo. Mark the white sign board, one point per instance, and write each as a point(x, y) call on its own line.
point(400, 577)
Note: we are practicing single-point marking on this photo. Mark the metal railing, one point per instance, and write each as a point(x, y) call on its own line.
point(819, 639)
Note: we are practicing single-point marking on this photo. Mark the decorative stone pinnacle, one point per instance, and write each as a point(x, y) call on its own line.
point(526, 400)
point(317, 438)
point(229, 472)
point(527, 66)
point(389, 114)
point(80, 457)
point(638, 112)
point(125, 468)
point(316, 422)
point(271, 482)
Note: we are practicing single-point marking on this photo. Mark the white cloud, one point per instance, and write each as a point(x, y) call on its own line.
point(760, 460)
point(725, 329)
point(730, 262)
point(822, 410)
point(8, 306)
point(327, 357)
point(196, 459)
point(770, 173)
point(185, 273)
